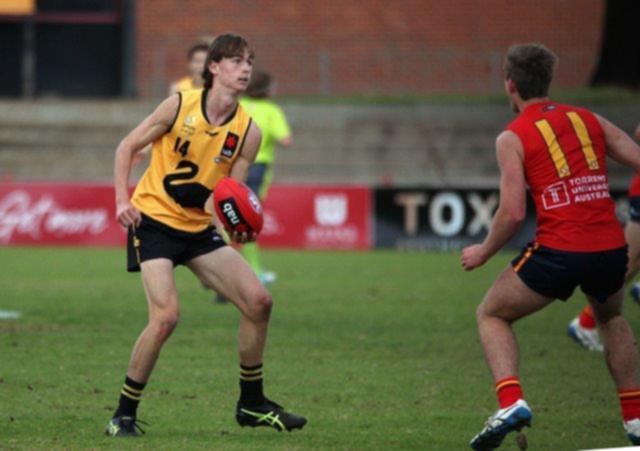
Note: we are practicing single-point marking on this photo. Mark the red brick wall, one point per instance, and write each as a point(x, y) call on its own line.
point(372, 46)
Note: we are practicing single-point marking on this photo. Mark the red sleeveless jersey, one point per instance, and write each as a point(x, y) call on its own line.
point(634, 188)
point(565, 168)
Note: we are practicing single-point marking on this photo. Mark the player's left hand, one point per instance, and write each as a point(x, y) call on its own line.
point(244, 237)
point(473, 256)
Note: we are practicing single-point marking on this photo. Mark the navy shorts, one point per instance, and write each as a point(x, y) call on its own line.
point(153, 239)
point(556, 274)
point(634, 208)
point(256, 177)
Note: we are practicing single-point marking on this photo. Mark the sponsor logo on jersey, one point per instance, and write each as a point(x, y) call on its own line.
point(230, 145)
point(555, 196)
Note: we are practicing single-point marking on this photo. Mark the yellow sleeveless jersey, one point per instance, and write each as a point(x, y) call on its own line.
point(187, 163)
point(185, 84)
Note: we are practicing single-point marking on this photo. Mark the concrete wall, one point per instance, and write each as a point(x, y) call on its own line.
point(400, 144)
point(372, 46)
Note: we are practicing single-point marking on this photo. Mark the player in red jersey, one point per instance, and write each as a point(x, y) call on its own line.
point(583, 327)
point(560, 152)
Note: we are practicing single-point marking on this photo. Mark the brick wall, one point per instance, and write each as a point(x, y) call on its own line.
point(372, 46)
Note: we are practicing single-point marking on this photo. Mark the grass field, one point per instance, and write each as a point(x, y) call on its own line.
point(379, 350)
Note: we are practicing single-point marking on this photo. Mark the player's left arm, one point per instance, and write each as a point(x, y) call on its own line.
point(513, 202)
point(240, 169)
point(620, 146)
point(248, 153)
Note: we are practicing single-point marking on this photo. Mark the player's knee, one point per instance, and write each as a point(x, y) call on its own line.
point(165, 323)
point(481, 312)
point(260, 305)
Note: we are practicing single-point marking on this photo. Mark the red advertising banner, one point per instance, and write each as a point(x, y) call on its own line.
point(58, 214)
point(317, 217)
point(83, 214)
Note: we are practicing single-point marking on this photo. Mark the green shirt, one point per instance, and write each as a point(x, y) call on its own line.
point(273, 125)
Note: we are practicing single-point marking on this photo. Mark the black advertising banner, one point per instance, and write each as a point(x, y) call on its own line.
point(419, 218)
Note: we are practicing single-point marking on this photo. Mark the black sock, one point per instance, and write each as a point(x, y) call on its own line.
point(251, 385)
point(130, 396)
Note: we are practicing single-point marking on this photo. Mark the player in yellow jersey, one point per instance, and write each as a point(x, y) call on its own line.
point(198, 137)
point(275, 131)
point(196, 57)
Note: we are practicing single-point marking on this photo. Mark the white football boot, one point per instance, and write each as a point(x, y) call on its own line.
point(632, 427)
point(587, 338)
point(509, 419)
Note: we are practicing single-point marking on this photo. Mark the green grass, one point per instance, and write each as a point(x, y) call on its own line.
point(378, 349)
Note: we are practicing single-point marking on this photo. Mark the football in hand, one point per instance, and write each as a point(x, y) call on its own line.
point(237, 206)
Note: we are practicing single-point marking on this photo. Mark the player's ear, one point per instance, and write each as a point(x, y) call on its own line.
point(510, 86)
point(213, 67)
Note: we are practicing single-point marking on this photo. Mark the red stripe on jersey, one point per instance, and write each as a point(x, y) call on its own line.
point(565, 168)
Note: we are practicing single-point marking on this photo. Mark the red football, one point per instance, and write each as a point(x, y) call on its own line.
point(237, 206)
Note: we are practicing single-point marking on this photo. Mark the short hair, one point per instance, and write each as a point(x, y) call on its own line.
point(223, 46)
point(260, 84)
point(530, 67)
point(199, 47)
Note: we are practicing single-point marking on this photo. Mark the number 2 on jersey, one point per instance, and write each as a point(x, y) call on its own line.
point(557, 154)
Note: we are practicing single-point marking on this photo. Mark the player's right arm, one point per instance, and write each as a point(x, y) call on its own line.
point(150, 129)
point(513, 203)
point(620, 146)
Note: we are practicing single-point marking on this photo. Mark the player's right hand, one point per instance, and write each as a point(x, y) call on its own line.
point(472, 257)
point(244, 237)
point(127, 215)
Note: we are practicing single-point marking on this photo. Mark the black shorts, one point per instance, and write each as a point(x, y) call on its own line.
point(556, 274)
point(634, 208)
point(153, 239)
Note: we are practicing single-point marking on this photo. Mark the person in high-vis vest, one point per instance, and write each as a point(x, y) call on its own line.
point(275, 132)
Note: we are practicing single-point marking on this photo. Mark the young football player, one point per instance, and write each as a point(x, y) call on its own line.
point(583, 327)
point(560, 152)
point(198, 137)
point(196, 57)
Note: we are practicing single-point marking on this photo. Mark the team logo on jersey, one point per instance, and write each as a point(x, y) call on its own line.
point(230, 145)
point(190, 120)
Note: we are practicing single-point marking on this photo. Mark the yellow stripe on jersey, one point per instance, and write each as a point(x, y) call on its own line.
point(557, 155)
point(583, 135)
point(187, 163)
